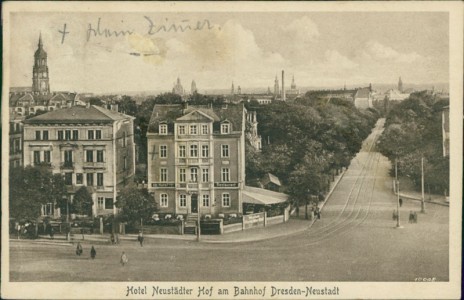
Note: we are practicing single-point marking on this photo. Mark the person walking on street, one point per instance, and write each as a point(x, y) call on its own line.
point(411, 216)
point(93, 253)
point(124, 259)
point(112, 239)
point(78, 249)
point(140, 238)
point(401, 202)
point(52, 233)
point(415, 217)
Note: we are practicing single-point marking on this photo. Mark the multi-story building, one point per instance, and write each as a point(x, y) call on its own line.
point(16, 141)
point(196, 158)
point(445, 125)
point(90, 146)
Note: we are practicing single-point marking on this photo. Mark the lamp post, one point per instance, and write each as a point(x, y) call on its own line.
point(398, 225)
point(422, 185)
point(198, 220)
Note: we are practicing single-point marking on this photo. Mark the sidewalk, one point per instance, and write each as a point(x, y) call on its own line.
point(417, 196)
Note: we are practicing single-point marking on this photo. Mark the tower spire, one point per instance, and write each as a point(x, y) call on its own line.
point(40, 40)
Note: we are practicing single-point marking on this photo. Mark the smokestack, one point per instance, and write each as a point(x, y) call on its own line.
point(283, 86)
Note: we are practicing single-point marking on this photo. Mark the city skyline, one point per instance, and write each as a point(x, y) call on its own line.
point(317, 48)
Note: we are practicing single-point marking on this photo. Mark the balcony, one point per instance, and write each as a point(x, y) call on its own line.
point(195, 161)
point(94, 165)
point(67, 165)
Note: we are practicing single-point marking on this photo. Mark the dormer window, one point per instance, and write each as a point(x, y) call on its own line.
point(163, 129)
point(225, 128)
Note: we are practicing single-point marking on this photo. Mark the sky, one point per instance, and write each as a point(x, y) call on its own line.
point(325, 49)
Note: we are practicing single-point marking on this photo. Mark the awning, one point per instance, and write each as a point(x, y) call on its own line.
point(253, 195)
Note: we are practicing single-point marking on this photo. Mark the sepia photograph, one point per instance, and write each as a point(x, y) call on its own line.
point(246, 150)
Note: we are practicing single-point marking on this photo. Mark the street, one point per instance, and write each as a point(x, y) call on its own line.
point(355, 240)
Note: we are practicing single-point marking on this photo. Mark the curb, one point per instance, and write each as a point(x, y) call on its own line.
point(416, 199)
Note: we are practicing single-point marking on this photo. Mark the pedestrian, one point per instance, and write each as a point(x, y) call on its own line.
point(401, 202)
point(318, 212)
point(394, 215)
point(124, 259)
point(140, 238)
point(79, 249)
point(52, 233)
point(18, 229)
point(415, 217)
point(93, 253)
point(411, 216)
point(112, 239)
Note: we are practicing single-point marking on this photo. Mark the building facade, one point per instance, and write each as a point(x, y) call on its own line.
point(196, 158)
point(15, 135)
point(90, 146)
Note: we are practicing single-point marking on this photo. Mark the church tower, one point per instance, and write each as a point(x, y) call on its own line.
point(40, 79)
point(293, 86)
point(193, 88)
point(400, 85)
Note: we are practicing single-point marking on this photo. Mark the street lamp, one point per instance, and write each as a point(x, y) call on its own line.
point(398, 225)
point(422, 185)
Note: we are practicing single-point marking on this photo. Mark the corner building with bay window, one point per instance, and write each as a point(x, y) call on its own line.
point(196, 158)
point(90, 146)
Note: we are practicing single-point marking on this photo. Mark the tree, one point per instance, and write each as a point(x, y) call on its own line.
point(82, 202)
point(128, 106)
point(135, 204)
point(32, 187)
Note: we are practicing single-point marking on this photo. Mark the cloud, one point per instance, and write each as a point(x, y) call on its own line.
point(376, 51)
point(302, 30)
point(333, 59)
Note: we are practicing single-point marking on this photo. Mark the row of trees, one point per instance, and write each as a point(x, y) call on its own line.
point(307, 141)
point(413, 129)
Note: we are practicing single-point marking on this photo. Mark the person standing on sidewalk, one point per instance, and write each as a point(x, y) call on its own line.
point(79, 249)
point(52, 233)
point(401, 202)
point(93, 253)
point(124, 260)
point(140, 238)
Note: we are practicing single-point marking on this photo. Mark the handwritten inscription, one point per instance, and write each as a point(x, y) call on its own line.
point(98, 29)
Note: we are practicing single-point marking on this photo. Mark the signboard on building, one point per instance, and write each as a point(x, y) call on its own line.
point(226, 184)
point(163, 185)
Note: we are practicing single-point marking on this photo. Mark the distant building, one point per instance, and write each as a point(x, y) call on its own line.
point(193, 88)
point(89, 146)
point(239, 90)
point(400, 85)
point(232, 89)
point(178, 88)
point(264, 100)
point(196, 158)
point(293, 92)
point(396, 95)
point(40, 78)
point(252, 133)
point(363, 98)
point(446, 130)
point(276, 87)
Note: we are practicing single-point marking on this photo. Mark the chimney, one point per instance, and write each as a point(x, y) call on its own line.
point(283, 86)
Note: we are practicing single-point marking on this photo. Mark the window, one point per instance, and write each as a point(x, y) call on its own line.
point(68, 157)
point(193, 129)
point(164, 200)
point(68, 178)
point(101, 203)
point(225, 128)
point(225, 151)
point(205, 175)
point(109, 203)
point(163, 174)
point(99, 155)
point(225, 174)
point(89, 179)
point(206, 200)
point(163, 129)
point(75, 135)
point(205, 151)
point(193, 174)
point(67, 135)
point(90, 135)
point(204, 129)
point(98, 134)
point(182, 151)
point(79, 178)
point(182, 176)
point(36, 157)
point(89, 155)
point(226, 199)
point(60, 135)
point(163, 151)
point(181, 129)
point(45, 135)
point(125, 163)
point(99, 179)
point(183, 200)
point(193, 150)
point(47, 157)
point(37, 135)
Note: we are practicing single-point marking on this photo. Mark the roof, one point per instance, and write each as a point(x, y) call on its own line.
point(78, 114)
point(362, 93)
point(38, 98)
point(170, 113)
point(268, 177)
point(255, 195)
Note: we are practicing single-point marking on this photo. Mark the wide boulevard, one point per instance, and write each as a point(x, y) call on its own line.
point(355, 240)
